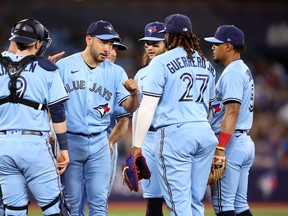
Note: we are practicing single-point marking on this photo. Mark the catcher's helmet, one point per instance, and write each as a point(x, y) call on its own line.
point(28, 31)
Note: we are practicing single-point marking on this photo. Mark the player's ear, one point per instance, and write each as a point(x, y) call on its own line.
point(89, 40)
point(37, 45)
point(229, 47)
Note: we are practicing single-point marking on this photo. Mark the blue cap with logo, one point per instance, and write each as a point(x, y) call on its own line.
point(177, 23)
point(103, 30)
point(227, 34)
point(152, 32)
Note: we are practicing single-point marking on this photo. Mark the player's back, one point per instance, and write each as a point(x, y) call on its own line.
point(36, 84)
point(185, 87)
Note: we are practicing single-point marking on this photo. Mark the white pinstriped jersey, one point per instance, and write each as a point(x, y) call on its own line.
point(36, 84)
point(96, 92)
point(235, 84)
point(185, 87)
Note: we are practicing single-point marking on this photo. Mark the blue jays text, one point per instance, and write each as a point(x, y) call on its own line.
point(80, 84)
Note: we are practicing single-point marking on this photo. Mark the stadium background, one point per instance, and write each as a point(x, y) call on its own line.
point(265, 24)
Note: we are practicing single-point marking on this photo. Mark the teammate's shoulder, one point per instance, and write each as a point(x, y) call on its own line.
point(142, 71)
point(72, 57)
point(46, 64)
point(111, 66)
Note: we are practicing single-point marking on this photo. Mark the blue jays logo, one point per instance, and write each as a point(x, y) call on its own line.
point(216, 108)
point(218, 30)
point(152, 30)
point(109, 28)
point(102, 109)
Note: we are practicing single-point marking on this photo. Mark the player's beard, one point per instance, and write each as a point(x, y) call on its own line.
point(217, 61)
point(96, 56)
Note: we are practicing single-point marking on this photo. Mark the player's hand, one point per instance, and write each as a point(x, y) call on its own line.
point(136, 151)
point(56, 57)
point(111, 147)
point(52, 143)
point(219, 152)
point(218, 167)
point(62, 161)
point(131, 86)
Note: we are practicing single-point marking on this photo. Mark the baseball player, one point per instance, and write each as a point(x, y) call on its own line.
point(32, 86)
point(113, 53)
point(154, 45)
point(119, 120)
point(116, 131)
point(231, 121)
point(179, 85)
point(95, 86)
point(13, 49)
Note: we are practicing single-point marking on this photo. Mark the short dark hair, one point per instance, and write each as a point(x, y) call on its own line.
point(239, 48)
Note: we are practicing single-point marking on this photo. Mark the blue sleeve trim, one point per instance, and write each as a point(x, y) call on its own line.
point(151, 94)
point(47, 64)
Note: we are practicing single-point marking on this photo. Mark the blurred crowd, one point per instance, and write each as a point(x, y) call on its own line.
point(270, 124)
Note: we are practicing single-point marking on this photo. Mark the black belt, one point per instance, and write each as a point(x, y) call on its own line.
point(151, 128)
point(240, 131)
point(85, 135)
point(23, 132)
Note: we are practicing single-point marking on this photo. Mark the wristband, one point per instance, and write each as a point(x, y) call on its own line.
point(62, 140)
point(220, 148)
point(223, 140)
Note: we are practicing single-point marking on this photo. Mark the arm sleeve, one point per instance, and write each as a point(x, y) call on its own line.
point(57, 112)
point(143, 119)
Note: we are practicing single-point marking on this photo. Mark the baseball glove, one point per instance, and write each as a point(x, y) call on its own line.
point(217, 169)
point(133, 170)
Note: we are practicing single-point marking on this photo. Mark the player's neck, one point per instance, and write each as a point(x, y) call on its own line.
point(231, 58)
point(88, 60)
point(24, 52)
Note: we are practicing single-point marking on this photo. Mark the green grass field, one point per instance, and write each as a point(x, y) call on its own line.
point(120, 209)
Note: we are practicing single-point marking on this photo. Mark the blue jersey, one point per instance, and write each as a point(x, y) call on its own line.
point(36, 84)
point(235, 84)
point(117, 112)
point(140, 78)
point(186, 87)
point(93, 93)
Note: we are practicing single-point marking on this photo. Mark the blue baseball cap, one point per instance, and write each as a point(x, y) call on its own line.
point(103, 30)
point(177, 23)
point(227, 34)
point(153, 32)
point(120, 46)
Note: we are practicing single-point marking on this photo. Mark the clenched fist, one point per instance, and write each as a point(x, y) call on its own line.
point(131, 86)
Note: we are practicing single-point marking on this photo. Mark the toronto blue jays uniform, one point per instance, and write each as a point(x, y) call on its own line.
point(235, 84)
point(185, 142)
point(150, 187)
point(26, 158)
point(5, 53)
point(119, 113)
point(93, 93)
